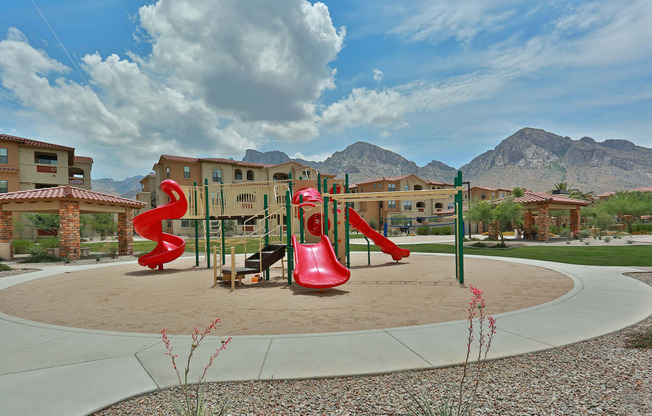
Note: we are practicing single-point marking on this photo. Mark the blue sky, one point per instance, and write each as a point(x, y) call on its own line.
point(125, 81)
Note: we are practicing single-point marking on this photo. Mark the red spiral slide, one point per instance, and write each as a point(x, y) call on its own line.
point(148, 225)
point(386, 246)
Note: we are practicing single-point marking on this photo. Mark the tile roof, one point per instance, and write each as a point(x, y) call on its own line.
point(34, 143)
point(68, 193)
point(213, 160)
point(530, 197)
point(83, 159)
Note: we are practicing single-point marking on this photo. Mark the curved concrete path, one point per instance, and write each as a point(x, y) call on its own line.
point(47, 369)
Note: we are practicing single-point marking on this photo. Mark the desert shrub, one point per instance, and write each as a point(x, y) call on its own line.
point(40, 255)
point(446, 230)
point(607, 239)
point(566, 233)
point(22, 246)
point(4, 268)
point(585, 234)
point(641, 228)
point(49, 242)
point(113, 251)
point(423, 230)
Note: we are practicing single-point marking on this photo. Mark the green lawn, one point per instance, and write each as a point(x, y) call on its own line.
point(630, 255)
point(596, 256)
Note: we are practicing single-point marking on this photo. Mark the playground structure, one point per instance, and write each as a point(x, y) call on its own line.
point(148, 225)
point(297, 226)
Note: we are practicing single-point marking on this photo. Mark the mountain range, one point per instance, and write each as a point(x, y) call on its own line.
point(531, 158)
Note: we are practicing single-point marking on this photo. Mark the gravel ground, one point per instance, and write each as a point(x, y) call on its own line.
point(595, 377)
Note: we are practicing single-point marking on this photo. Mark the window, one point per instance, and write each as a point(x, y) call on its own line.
point(391, 204)
point(451, 205)
point(3, 156)
point(407, 188)
point(238, 174)
point(439, 206)
point(3, 187)
point(250, 175)
point(217, 175)
point(186, 171)
point(407, 205)
point(483, 196)
point(391, 186)
point(167, 173)
point(421, 204)
point(45, 158)
point(280, 176)
point(418, 187)
point(185, 223)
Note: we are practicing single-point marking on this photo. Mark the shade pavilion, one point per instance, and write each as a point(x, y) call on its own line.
point(69, 202)
point(541, 204)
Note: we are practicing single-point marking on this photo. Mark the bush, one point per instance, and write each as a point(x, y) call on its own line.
point(49, 242)
point(22, 246)
point(642, 228)
point(39, 255)
point(607, 239)
point(585, 234)
point(4, 268)
point(446, 230)
point(423, 230)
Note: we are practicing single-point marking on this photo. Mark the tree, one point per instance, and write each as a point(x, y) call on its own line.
point(518, 192)
point(103, 224)
point(572, 192)
point(44, 221)
point(627, 206)
point(500, 215)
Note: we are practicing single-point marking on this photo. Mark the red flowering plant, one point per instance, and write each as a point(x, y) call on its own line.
point(462, 405)
point(194, 406)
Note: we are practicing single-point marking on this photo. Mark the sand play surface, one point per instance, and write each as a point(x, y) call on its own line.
point(419, 290)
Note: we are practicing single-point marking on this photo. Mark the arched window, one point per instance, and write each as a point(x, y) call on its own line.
point(439, 206)
point(280, 176)
point(238, 174)
point(418, 188)
point(217, 175)
point(250, 175)
point(421, 204)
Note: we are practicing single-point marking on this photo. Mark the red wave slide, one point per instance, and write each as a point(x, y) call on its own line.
point(316, 265)
point(148, 225)
point(386, 246)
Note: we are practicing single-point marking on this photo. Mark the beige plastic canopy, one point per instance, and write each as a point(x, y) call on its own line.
point(69, 202)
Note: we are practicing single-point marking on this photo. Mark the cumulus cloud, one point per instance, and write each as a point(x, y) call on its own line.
point(378, 75)
point(218, 80)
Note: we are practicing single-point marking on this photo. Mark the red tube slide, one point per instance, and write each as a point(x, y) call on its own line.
point(386, 246)
point(148, 225)
point(316, 266)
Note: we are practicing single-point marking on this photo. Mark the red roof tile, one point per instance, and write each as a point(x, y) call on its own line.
point(235, 162)
point(529, 197)
point(34, 143)
point(69, 193)
point(83, 159)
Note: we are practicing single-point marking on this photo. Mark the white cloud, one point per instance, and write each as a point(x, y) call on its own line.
point(271, 64)
point(441, 20)
point(235, 79)
point(378, 75)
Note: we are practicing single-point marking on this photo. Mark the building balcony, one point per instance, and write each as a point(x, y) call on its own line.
point(80, 182)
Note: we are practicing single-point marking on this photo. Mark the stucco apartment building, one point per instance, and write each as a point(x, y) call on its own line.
point(378, 212)
point(27, 164)
point(188, 170)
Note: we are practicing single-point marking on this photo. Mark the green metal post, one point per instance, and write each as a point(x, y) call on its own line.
point(196, 227)
point(301, 227)
point(326, 216)
point(335, 233)
point(290, 184)
point(347, 247)
point(208, 226)
point(459, 230)
point(266, 208)
point(288, 226)
point(319, 182)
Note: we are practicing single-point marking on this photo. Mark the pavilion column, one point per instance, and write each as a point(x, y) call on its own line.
point(528, 222)
point(126, 232)
point(543, 222)
point(7, 233)
point(69, 229)
point(493, 232)
point(575, 222)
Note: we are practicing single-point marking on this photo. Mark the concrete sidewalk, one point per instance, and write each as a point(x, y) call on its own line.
point(46, 369)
